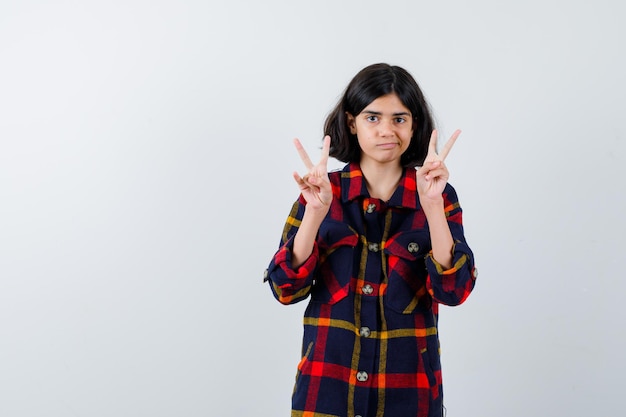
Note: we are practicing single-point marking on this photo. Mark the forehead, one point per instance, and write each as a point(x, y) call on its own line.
point(387, 104)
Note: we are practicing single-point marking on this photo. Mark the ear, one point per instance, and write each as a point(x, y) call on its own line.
point(351, 123)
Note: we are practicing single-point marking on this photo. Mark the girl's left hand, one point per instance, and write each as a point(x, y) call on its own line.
point(433, 175)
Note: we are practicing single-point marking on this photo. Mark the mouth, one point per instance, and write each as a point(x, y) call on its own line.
point(388, 145)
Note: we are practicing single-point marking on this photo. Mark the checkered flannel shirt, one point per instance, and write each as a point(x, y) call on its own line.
point(371, 345)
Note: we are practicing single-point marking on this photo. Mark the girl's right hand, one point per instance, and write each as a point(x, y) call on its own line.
point(315, 186)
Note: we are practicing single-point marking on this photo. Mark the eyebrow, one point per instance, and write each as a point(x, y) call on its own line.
point(377, 113)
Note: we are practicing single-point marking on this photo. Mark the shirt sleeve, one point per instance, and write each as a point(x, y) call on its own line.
point(452, 286)
point(290, 285)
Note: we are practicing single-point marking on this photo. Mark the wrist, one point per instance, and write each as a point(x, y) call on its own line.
point(432, 204)
point(316, 213)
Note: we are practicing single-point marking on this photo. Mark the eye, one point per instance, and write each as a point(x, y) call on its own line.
point(371, 118)
point(400, 120)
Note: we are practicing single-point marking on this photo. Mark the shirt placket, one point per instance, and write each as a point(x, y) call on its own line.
point(368, 315)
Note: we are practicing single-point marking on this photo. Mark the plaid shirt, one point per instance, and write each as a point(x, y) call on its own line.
point(371, 346)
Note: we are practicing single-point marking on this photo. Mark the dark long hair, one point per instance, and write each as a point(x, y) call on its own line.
point(370, 83)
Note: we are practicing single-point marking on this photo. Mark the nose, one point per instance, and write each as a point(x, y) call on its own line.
point(385, 128)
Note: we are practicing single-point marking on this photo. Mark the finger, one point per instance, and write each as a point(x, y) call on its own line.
point(309, 184)
point(430, 167)
point(325, 151)
point(310, 179)
point(446, 149)
point(432, 144)
point(303, 155)
point(441, 172)
point(299, 180)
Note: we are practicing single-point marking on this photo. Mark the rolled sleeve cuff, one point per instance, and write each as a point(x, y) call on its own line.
point(452, 285)
point(283, 262)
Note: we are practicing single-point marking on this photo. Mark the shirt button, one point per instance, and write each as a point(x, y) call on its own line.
point(365, 331)
point(413, 247)
point(371, 208)
point(372, 246)
point(367, 289)
point(361, 376)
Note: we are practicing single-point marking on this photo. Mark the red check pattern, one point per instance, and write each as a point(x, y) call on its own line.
point(371, 345)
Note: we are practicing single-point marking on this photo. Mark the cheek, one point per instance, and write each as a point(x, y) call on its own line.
point(408, 135)
point(360, 141)
point(407, 140)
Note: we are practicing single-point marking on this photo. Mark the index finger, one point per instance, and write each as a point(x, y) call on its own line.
point(303, 155)
point(432, 144)
point(446, 148)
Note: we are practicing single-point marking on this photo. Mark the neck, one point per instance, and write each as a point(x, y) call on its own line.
point(381, 179)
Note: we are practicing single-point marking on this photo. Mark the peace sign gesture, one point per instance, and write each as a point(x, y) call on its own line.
point(433, 175)
point(315, 186)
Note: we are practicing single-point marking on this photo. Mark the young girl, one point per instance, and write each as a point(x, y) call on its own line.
point(377, 247)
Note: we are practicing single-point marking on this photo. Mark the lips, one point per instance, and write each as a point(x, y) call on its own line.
point(389, 145)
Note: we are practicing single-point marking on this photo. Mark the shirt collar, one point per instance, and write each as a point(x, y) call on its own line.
point(353, 187)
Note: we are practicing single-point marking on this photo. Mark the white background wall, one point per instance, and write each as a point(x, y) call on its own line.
point(145, 174)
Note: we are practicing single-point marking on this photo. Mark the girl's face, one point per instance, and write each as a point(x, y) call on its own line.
point(384, 129)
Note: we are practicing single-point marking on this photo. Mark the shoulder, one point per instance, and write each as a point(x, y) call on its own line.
point(452, 207)
point(449, 188)
point(449, 193)
point(337, 175)
point(334, 176)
